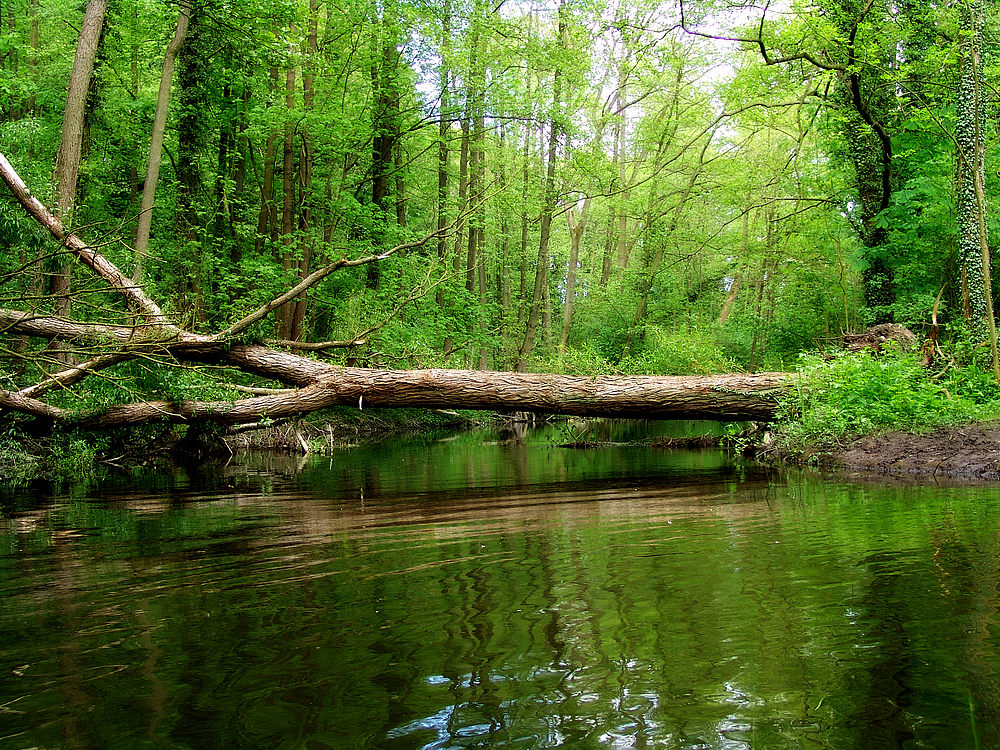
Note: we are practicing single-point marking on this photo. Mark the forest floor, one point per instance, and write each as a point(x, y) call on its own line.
point(969, 451)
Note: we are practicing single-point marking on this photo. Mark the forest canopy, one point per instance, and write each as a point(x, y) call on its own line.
point(575, 186)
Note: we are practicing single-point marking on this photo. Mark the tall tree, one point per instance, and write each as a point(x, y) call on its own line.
point(192, 141)
point(156, 140)
point(970, 134)
point(67, 165)
point(548, 200)
point(385, 73)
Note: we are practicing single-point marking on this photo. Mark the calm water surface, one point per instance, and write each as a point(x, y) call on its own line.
point(478, 593)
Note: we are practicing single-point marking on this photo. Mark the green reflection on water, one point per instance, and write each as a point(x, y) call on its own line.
point(462, 594)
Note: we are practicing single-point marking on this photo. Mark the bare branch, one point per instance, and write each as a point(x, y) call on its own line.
point(100, 265)
point(75, 374)
point(758, 41)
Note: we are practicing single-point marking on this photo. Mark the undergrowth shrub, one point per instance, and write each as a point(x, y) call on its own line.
point(678, 354)
point(846, 395)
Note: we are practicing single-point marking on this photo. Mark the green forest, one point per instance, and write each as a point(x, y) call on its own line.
point(585, 187)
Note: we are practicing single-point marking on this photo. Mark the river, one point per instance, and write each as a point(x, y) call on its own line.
point(474, 591)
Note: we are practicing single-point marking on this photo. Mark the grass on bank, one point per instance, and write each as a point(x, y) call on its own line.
point(843, 396)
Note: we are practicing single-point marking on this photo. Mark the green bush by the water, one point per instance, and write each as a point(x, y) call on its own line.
point(840, 396)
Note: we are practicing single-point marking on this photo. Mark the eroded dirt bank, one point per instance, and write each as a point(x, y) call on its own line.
point(968, 451)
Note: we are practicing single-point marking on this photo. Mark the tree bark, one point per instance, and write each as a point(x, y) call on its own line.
point(284, 314)
point(265, 218)
point(385, 123)
point(721, 397)
point(522, 289)
point(443, 157)
point(307, 241)
point(192, 138)
point(68, 159)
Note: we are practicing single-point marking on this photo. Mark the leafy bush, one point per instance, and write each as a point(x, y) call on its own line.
point(585, 360)
point(678, 353)
point(848, 394)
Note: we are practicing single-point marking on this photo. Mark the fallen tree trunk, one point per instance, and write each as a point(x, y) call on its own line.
point(321, 385)
point(721, 397)
point(315, 385)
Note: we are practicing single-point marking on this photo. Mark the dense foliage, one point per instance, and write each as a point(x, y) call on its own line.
point(586, 186)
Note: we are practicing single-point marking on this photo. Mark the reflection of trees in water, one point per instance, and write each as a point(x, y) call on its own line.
point(703, 611)
point(882, 686)
point(923, 628)
point(967, 561)
point(513, 431)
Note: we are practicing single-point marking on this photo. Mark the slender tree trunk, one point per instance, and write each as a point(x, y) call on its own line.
point(443, 156)
point(443, 161)
point(503, 275)
point(463, 192)
point(284, 313)
point(386, 125)
point(545, 229)
point(192, 140)
point(522, 289)
point(548, 208)
point(609, 245)
point(156, 141)
point(623, 246)
point(761, 293)
point(477, 139)
point(67, 165)
point(577, 225)
point(222, 227)
point(307, 236)
point(547, 308)
point(477, 187)
point(239, 202)
point(267, 209)
point(399, 162)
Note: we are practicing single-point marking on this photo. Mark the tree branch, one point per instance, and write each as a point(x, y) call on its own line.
point(758, 41)
point(100, 265)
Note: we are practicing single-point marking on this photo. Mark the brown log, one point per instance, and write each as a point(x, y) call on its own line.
point(722, 397)
point(321, 385)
